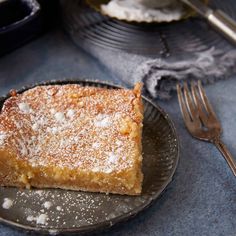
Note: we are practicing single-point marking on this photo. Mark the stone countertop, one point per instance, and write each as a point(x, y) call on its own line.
point(202, 198)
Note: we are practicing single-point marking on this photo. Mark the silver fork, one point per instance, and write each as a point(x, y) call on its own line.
point(200, 119)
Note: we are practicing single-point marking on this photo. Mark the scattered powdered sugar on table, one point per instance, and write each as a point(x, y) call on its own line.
point(7, 203)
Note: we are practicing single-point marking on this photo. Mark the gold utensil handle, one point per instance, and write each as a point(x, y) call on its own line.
point(223, 23)
point(227, 155)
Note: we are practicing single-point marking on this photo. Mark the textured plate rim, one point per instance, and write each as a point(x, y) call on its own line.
point(123, 218)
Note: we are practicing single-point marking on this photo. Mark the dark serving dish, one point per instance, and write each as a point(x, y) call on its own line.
point(83, 212)
point(20, 21)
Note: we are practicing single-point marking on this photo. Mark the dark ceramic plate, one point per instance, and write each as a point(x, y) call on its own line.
point(71, 211)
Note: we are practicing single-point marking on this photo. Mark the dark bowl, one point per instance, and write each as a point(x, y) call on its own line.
point(20, 21)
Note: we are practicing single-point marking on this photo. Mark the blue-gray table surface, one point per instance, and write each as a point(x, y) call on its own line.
point(202, 198)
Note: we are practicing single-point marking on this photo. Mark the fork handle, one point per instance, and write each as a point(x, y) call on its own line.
point(227, 155)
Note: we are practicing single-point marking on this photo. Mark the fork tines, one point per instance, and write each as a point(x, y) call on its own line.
point(200, 119)
point(195, 105)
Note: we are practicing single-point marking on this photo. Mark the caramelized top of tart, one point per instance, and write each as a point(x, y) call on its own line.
point(73, 126)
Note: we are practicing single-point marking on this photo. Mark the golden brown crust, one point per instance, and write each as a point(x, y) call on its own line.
point(72, 137)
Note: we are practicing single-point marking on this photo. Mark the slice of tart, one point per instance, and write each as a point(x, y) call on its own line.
point(72, 137)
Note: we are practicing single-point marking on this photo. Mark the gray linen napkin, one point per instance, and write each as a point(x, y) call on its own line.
point(160, 75)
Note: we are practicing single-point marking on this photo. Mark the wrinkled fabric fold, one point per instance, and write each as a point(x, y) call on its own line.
point(160, 75)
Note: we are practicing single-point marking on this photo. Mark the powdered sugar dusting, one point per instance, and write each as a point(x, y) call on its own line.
point(96, 145)
point(39, 192)
point(118, 143)
point(102, 121)
point(112, 158)
point(59, 208)
point(108, 170)
point(30, 218)
point(59, 116)
point(55, 130)
point(70, 113)
point(24, 107)
point(61, 132)
point(96, 169)
point(53, 111)
point(41, 219)
point(69, 209)
point(3, 137)
point(47, 204)
point(7, 203)
point(35, 126)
